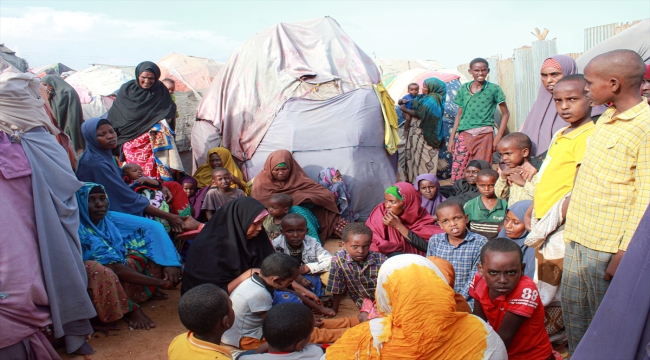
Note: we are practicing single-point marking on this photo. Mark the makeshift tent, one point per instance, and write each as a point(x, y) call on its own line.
point(398, 66)
point(188, 72)
point(636, 37)
point(97, 85)
point(10, 56)
point(52, 69)
point(306, 87)
point(397, 85)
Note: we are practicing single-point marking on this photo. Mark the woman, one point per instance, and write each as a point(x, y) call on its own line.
point(445, 158)
point(134, 248)
point(283, 175)
point(429, 186)
point(420, 320)
point(400, 224)
point(333, 181)
point(142, 115)
point(66, 108)
point(97, 165)
point(220, 157)
point(465, 189)
point(425, 133)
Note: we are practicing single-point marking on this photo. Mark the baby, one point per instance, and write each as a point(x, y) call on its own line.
point(147, 187)
point(220, 192)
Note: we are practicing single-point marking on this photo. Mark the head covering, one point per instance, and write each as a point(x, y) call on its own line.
point(66, 107)
point(203, 174)
point(136, 110)
point(221, 252)
point(464, 191)
point(447, 270)
point(519, 210)
point(394, 190)
point(387, 239)
point(21, 105)
point(543, 121)
point(96, 165)
point(339, 189)
point(429, 108)
point(647, 72)
point(419, 320)
point(430, 205)
point(551, 63)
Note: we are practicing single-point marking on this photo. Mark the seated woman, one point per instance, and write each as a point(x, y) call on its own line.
point(97, 165)
point(465, 189)
point(134, 248)
point(220, 157)
point(429, 186)
point(332, 180)
point(283, 175)
point(399, 224)
point(420, 320)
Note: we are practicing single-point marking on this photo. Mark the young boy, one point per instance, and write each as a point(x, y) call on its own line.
point(354, 269)
point(220, 192)
point(512, 184)
point(314, 259)
point(611, 190)
point(457, 245)
point(476, 102)
point(206, 311)
point(486, 212)
point(510, 301)
point(407, 101)
point(287, 328)
point(279, 206)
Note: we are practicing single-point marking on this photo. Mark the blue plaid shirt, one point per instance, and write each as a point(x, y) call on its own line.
point(463, 257)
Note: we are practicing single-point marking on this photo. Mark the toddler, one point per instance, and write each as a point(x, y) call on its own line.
point(148, 187)
point(517, 181)
point(220, 192)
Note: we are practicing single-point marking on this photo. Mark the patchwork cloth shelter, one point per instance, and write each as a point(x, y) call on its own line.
point(53, 69)
point(97, 86)
point(188, 72)
point(308, 88)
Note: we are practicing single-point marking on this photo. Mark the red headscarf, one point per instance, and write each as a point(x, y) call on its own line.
point(386, 239)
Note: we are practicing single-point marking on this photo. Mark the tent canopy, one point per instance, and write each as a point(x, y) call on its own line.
point(52, 69)
point(188, 72)
point(636, 37)
point(100, 80)
point(398, 66)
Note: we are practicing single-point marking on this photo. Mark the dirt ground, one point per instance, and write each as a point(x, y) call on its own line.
point(152, 344)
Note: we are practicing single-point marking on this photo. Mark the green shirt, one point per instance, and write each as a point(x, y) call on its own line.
point(483, 221)
point(478, 109)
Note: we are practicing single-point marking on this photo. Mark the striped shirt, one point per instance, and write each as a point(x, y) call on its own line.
point(358, 280)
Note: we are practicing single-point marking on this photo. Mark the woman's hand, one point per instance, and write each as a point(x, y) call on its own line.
point(172, 274)
point(168, 194)
point(392, 220)
point(527, 171)
point(176, 222)
point(190, 223)
point(450, 145)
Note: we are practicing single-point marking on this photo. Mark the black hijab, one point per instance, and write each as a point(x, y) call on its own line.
point(463, 191)
point(136, 110)
point(221, 252)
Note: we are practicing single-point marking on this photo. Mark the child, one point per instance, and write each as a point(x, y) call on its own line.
point(510, 302)
point(287, 328)
point(486, 212)
point(457, 245)
point(147, 187)
point(220, 192)
point(207, 313)
point(476, 102)
point(354, 269)
point(281, 205)
point(314, 260)
point(332, 180)
point(512, 184)
point(515, 230)
point(171, 87)
point(611, 190)
point(407, 101)
point(429, 187)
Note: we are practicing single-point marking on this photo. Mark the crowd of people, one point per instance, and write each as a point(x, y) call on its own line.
point(541, 256)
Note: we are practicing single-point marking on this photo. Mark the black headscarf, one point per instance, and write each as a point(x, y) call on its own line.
point(463, 191)
point(136, 110)
point(221, 252)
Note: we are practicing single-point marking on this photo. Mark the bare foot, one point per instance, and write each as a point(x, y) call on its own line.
point(138, 320)
point(159, 295)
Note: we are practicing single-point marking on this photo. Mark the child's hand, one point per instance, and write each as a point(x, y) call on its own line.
point(304, 282)
point(517, 178)
point(319, 322)
point(391, 220)
point(327, 312)
point(168, 194)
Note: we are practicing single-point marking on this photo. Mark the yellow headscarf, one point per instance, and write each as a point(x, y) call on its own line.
point(419, 320)
point(203, 174)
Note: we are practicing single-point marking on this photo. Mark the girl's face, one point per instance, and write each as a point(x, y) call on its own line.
point(393, 204)
point(471, 174)
point(337, 177)
point(427, 189)
point(106, 137)
point(189, 189)
point(515, 228)
point(280, 173)
point(215, 161)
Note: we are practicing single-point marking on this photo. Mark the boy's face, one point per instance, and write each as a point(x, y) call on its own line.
point(485, 184)
point(598, 89)
point(413, 90)
point(133, 171)
point(571, 101)
point(501, 272)
point(106, 137)
point(550, 77)
point(97, 207)
point(511, 154)
point(470, 174)
point(279, 283)
point(453, 221)
point(170, 87)
point(222, 180)
point(427, 189)
point(189, 189)
point(358, 246)
point(479, 71)
point(294, 231)
point(645, 89)
point(277, 210)
point(215, 161)
point(280, 173)
point(393, 204)
point(514, 226)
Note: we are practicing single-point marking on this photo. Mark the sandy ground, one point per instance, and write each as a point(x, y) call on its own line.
point(152, 344)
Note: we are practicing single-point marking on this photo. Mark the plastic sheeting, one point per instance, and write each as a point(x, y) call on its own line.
point(190, 73)
point(345, 132)
point(398, 86)
point(635, 38)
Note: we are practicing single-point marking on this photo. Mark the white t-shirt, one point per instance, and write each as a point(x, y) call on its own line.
point(310, 352)
point(250, 297)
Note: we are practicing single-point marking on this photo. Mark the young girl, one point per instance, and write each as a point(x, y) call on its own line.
point(429, 186)
point(332, 180)
point(515, 230)
point(195, 196)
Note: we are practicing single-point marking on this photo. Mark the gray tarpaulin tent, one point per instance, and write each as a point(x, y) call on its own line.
point(635, 38)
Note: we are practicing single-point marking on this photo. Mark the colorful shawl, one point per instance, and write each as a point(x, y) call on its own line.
point(66, 107)
point(429, 109)
point(203, 174)
point(430, 205)
point(340, 189)
point(519, 209)
point(420, 320)
point(386, 239)
point(117, 234)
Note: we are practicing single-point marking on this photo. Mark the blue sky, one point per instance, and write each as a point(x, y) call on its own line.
point(78, 33)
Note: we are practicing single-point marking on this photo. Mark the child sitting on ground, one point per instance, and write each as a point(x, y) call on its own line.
point(354, 269)
point(517, 181)
point(281, 205)
point(457, 245)
point(220, 192)
point(287, 328)
point(486, 212)
point(510, 302)
point(147, 187)
point(206, 312)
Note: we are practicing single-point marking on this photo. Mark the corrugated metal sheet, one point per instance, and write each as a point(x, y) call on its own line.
point(597, 34)
point(574, 55)
point(506, 73)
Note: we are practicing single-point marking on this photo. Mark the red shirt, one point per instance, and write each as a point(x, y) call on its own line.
point(531, 341)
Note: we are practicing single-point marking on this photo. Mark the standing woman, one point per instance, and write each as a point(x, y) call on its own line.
point(425, 133)
point(66, 108)
point(142, 116)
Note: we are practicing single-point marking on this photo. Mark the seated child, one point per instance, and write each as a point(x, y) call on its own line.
point(287, 328)
point(510, 301)
point(515, 230)
point(195, 196)
point(332, 180)
point(486, 212)
point(429, 187)
point(220, 192)
point(281, 205)
point(314, 260)
point(206, 312)
point(147, 187)
point(457, 245)
point(254, 297)
point(512, 184)
point(354, 269)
